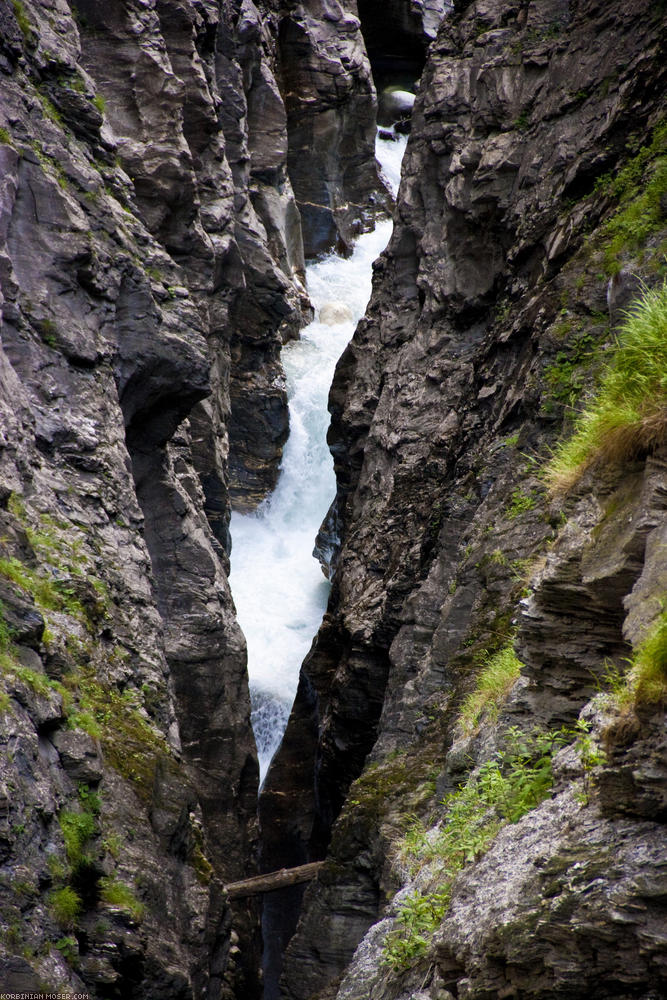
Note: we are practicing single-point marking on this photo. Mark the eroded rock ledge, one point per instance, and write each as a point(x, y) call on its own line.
point(488, 321)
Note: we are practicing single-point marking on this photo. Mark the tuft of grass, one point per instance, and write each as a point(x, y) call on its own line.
point(119, 894)
point(648, 673)
point(99, 103)
point(65, 906)
point(628, 415)
point(5, 136)
point(499, 673)
point(78, 829)
point(645, 681)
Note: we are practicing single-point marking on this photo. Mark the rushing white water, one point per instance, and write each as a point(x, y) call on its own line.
point(279, 589)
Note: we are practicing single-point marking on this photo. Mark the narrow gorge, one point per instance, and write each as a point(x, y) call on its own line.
point(476, 750)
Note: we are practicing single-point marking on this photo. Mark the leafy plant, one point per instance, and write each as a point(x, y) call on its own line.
point(520, 503)
point(68, 948)
point(501, 791)
point(628, 415)
point(419, 916)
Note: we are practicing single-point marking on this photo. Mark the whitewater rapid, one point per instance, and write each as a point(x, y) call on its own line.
point(279, 589)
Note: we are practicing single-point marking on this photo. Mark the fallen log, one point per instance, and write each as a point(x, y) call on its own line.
point(273, 880)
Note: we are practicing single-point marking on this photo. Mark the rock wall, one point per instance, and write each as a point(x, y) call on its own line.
point(489, 319)
point(151, 266)
point(329, 95)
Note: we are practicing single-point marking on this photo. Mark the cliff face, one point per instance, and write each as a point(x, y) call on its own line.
point(492, 310)
point(151, 265)
point(165, 167)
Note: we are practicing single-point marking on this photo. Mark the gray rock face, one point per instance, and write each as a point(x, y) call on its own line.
point(151, 266)
point(443, 409)
point(330, 102)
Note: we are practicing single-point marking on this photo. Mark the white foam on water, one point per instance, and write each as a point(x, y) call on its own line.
point(279, 589)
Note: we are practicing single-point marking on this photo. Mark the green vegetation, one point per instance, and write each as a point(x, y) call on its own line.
point(645, 681)
point(54, 585)
point(639, 188)
point(501, 791)
point(119, 894)
point(48, 593)
point(78, 828)
point(22, 19)
point(494, 683)
point(5, 136)
point(399, 775)
point(99, 103)
point(65, 906)
point(590, 756)
point(11, 667)
point(131, 746)
point(68, 948)
point(419, 916)
point(520, 503)
point(628, 415)
point(648, 670)
point(568, 373)
point(50, 110)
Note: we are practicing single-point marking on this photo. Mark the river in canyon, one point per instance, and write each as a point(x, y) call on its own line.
point(278, 585)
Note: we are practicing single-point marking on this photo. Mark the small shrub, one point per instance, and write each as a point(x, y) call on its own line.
point(419, 916)
point(503, 790)
point(628, 415)
point(494, 683)
point(65, 906)
point(68, 948)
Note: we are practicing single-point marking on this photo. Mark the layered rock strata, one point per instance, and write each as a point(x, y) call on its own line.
point(489, 319)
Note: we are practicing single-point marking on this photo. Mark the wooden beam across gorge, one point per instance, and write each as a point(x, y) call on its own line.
point(273, 880)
